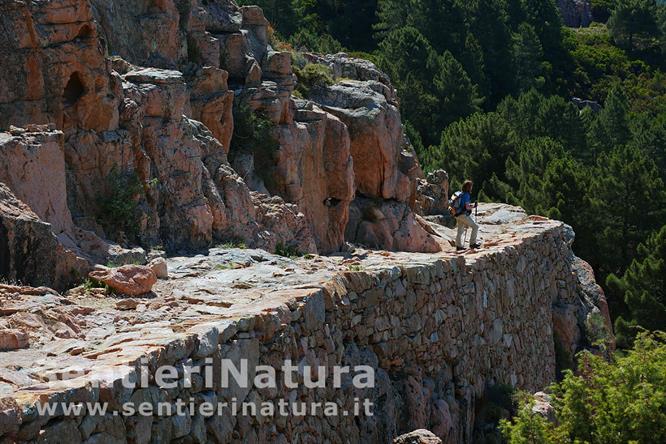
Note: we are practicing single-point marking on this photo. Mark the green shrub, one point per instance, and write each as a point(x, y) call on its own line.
point(118, 210)
point(312, 76)
point(254, 134)
point(601, 10)
point(91, 284)
point(233, 243)
point(308, 40)
point(607, 402)
point(287, 251)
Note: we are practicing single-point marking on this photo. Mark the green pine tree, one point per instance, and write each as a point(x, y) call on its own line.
point(442, 22)
point(633, 24)
point(434, 90)
point(476, 147)
point(643, 288)
point(528, 58)
point(544, 17)
point(488, 23)
point(611, 127)
point(411, 62)
point(628, 203)
point(392, 15)
point(649, 134)
point(456, 95)
point(533, 115)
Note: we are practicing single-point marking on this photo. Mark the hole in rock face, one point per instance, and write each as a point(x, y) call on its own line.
point(331, 202)
point(85, 32)
point(74, 89)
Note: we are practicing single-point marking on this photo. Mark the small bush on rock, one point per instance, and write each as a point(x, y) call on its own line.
point(233, 243)
point(254, 134)
point(118, 210)
point(287, 251)
point(312, 76)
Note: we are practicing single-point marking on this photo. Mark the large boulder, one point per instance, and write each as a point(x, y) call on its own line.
point(32, 164)
point(315, 171)
point(420, 436)
point(13, 339)
point(212, 103)
point(130, 280)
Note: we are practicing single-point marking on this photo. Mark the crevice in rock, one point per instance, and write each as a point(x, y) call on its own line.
point(85, 32)
point(4, 251)
point(74, 89)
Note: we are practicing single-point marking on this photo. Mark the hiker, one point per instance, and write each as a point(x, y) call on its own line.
point(463, 216)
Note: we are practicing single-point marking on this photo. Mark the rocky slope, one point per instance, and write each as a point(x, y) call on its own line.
point(97, 96)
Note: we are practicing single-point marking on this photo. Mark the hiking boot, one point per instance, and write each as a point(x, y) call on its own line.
point(475, 246)
point(460, 248)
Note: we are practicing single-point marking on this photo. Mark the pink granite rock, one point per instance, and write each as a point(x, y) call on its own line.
point(131, 280)
point(12, 339)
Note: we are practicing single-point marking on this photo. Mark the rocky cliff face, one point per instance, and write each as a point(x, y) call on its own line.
point(143, 92)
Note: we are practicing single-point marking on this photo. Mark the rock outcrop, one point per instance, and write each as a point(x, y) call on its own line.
point(386, 170)
point(144, 135)
point(575, 13)
point(29, 251)
point(433, 194)
point(418, 437)
point(130, 280)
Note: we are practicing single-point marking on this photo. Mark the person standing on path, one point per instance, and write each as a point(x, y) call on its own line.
point(463, 217)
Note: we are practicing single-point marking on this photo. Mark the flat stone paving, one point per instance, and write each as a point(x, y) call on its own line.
point(91, 331)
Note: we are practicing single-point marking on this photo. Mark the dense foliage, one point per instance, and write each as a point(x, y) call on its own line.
point(606, 402)
point(486, 90)
point(643, 287)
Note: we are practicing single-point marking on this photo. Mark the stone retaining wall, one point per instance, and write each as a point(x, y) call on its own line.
point(437, 334)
